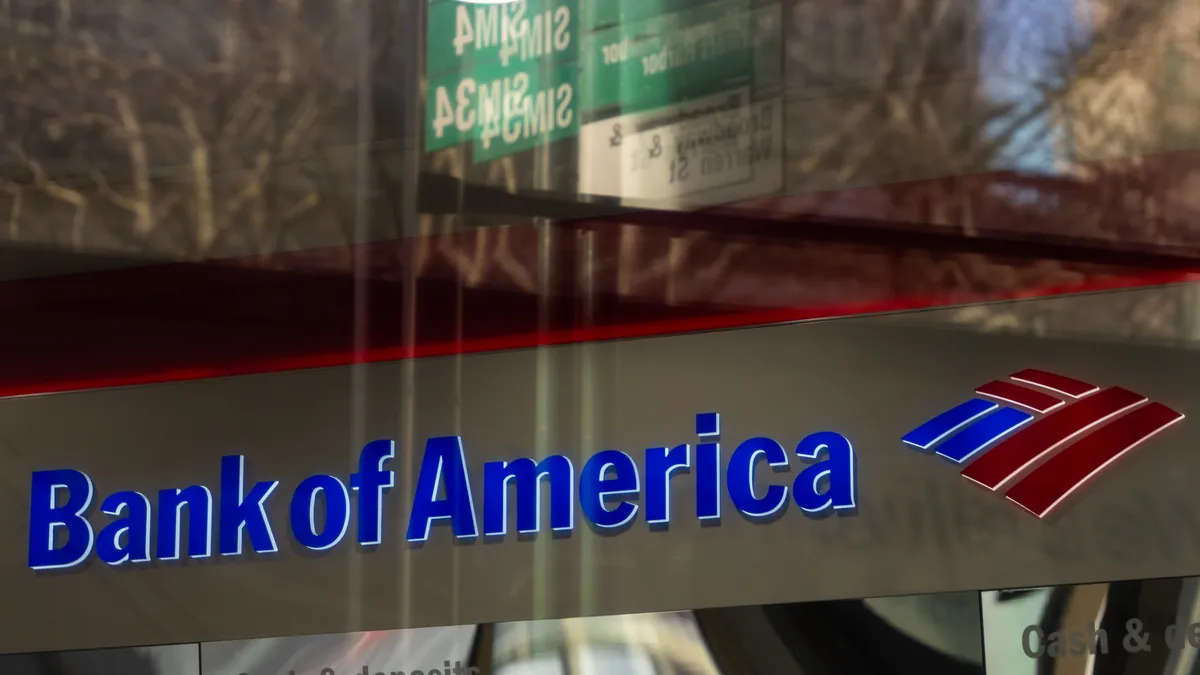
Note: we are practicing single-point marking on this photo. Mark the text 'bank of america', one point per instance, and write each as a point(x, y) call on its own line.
point(610, 490)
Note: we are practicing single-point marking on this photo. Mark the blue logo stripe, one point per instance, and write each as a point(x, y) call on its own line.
point(983, 433)
point(946, 423)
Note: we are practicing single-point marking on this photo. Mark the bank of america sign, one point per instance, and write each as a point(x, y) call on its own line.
point(1040, 436)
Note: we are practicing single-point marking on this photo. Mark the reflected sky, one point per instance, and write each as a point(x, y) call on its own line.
point(1023, 45)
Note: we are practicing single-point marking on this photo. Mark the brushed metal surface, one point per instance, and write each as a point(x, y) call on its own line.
point(920, 527)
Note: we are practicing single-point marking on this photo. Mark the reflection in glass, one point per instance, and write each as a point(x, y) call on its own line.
point(393, 651)
point(640, 644)
point(921, 634)
point(164, 660)
point(932, 634)
point(1149, 627)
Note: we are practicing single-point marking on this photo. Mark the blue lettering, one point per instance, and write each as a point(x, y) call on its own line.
point(828, 483)
point(708, 467)
point(596, 487)
point(443, 454)
point(199, 502)
point(134, 529)
point(47, 514)
point(242, 512)
point(661, 464)
point(304, 512)
point(372, 481)
point(740, 477)
point(608, 488)
point(528, 475)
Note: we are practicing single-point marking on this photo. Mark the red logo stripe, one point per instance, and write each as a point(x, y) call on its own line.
point(1061, 384)
point(1052, 482)
point(1018, 452)
point(1022, 396)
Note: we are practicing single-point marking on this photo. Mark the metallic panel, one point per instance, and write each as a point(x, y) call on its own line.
point(920, 527)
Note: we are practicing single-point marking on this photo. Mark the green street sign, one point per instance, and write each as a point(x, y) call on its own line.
point(503, 110)
point(462, 35)
point(508, 77)
point(503, 77)
point(670, 58)
point(605, 14)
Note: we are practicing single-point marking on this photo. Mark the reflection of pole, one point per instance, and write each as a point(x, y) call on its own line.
point(547, 389)
point(360, 27)
point(414, 112)
point(410, 216)
point(588, 404)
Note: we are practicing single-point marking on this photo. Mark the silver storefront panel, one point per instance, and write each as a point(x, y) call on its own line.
point(918, 526)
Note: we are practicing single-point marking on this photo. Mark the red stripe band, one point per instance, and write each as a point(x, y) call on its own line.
point(1018, 452)
point(1022, 396)
point(1061, 384)
point(1042, 490)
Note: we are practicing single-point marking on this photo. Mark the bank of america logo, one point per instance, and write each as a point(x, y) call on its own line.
point(1017, 424)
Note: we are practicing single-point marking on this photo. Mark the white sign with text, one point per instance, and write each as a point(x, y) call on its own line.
point(713, 150)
